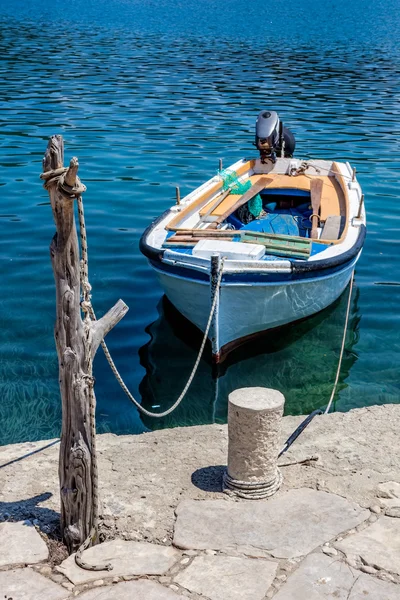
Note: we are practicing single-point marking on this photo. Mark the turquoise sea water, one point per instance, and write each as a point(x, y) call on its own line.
point(149, 94)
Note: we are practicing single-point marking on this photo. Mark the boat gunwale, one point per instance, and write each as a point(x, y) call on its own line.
point(296, 266)
point(249, 279)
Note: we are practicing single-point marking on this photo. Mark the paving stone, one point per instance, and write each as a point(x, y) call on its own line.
point(389, 493)
point(393, 511)
point(329, 551)
point(27, 584)
point(319, 577)
point(129, 590)
point(222, 577)
point(377, 545)
point(20, 543)
point(290, 525)
point(127, 558)
point(374, 589)
point(389, 489)
point(391, 507)
point(68, 586)
point(368, 569)
point(46, 570)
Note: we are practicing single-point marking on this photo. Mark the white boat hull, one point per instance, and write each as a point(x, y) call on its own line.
point(245, 310)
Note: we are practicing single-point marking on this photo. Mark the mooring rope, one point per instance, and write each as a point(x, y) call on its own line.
point(306, 164)
point(87, 307)
point(318, 411)
point(256, 491)
point(343, 345)
point(92, 537)
point(87, 301)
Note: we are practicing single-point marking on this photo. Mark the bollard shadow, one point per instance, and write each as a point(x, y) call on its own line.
point(48, 520)
point(209, 479)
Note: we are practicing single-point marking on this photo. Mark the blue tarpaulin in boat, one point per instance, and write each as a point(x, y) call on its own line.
point(274, 223)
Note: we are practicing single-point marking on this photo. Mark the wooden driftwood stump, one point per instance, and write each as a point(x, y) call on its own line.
point(77, 341)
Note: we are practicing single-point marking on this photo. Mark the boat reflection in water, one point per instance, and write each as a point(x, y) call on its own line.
point(300, 360)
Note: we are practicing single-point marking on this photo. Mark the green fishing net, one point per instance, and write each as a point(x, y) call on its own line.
point(230, 181)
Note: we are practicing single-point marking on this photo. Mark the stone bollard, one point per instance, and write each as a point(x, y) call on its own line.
point(254, 423)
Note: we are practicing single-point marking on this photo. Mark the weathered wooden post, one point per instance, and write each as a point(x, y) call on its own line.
point(77, 341)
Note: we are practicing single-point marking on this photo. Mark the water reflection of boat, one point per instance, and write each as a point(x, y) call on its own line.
point(300, 360)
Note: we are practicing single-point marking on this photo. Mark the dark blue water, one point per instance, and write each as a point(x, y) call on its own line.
point(149, 94)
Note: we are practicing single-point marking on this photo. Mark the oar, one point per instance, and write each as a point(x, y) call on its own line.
point(316, 186)
point(206, 233)
point(214, 205)
point(249, 195)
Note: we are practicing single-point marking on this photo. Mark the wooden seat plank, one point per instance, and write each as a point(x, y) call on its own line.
point(316, 188)
point(332, 199)
point(332, 228)
point(280, 181)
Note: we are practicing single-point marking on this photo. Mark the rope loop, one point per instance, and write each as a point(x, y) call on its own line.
point(86, 306)
point(71, 190)
point(52, 176)
point(87, 288)
point(90, 380)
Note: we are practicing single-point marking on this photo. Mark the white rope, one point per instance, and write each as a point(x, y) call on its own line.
point(293, 437)
point(306, 164)
point(86, 304)
point(342, 348)
point(86, 307)
point(254, 490)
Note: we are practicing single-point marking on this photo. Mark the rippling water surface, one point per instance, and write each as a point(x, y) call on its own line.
point(149, 95)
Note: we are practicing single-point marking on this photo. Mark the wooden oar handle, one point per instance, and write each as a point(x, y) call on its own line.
point(316, 186)
point(314, 226)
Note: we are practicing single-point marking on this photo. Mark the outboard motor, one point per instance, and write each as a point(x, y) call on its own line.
point(272, 137)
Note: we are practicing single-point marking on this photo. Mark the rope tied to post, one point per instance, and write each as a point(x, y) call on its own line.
point(293, 437)
point(58, 176)
point(70, 189)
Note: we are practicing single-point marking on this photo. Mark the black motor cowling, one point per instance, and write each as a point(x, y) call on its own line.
point(272, 137)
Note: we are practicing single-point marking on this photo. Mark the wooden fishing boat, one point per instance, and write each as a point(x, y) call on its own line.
point(290, 232)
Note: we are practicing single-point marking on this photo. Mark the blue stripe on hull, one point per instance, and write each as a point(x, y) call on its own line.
point(249, 277)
